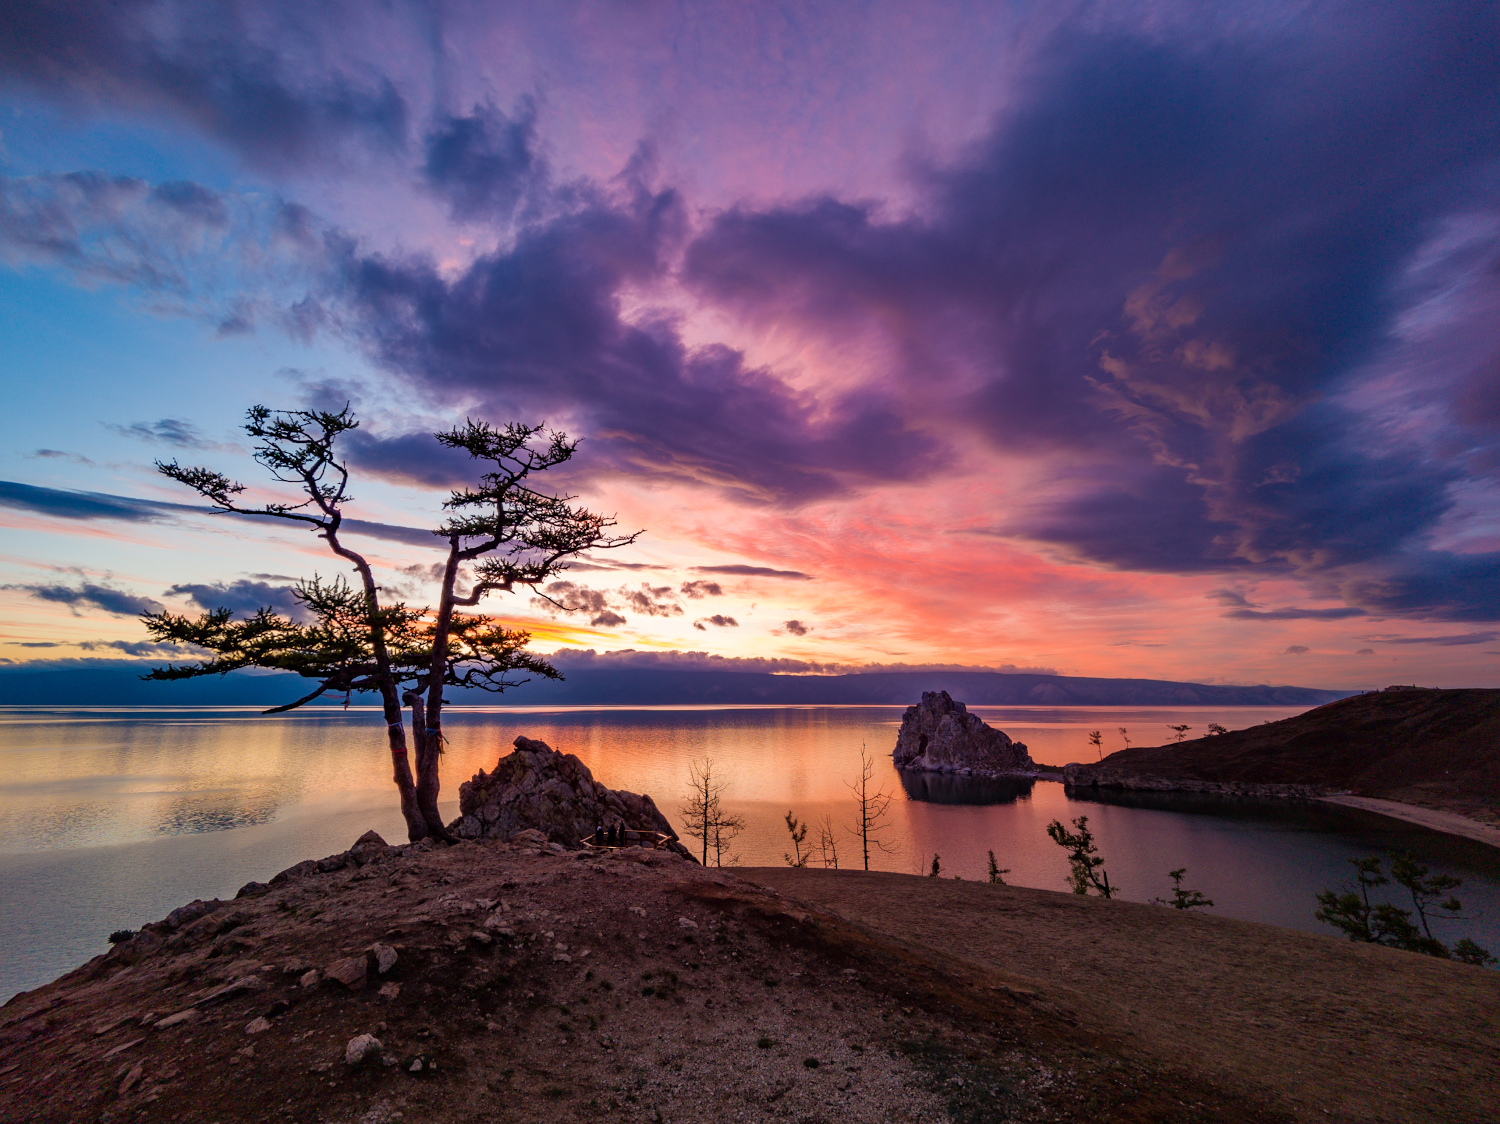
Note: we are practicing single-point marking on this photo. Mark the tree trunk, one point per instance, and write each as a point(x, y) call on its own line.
point(416, 826)
point(429, 746)
point(430, 740)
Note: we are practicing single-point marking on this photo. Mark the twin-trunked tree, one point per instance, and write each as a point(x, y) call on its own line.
point(506, 531)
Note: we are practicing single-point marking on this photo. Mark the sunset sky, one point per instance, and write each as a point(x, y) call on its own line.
point(1120, 339)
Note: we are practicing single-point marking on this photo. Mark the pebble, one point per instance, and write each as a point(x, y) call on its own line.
point(132, 1077)
point(350, 971)
point(255, 1026)
point(310, 978)
point(385, 958)
point(177, 1019)
point(361, 1047)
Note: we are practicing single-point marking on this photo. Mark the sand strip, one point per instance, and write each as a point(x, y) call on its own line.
point(1450, 823)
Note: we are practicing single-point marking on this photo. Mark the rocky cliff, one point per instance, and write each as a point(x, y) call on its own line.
point(538, 788)
point(939, 735)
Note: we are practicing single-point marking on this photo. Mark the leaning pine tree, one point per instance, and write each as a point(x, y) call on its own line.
point(504, 530)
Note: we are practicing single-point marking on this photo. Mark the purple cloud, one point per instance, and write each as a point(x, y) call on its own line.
point(243, 597)
point(1454, 640)
point(223, 68)
point(1294, 614)
point(90, 595)
point(1168, 274)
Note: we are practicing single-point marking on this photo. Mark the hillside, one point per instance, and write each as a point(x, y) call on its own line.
point(511, 982)
point(1433, 748)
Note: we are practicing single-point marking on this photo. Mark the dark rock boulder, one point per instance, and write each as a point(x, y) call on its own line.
point(538, 788)
point(939, 735)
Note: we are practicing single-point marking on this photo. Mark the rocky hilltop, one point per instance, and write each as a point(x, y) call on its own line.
point(1432, 748)
point(523, 981)
point(939, 735)
point(536, 788)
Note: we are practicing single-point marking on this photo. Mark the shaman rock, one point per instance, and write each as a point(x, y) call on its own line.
point(539, 789)
point(939, 735)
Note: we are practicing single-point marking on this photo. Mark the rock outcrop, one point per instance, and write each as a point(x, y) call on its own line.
point(536, 788)
point(939, 735)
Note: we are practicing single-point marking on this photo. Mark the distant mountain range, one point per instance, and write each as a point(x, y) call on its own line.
point(120, 686)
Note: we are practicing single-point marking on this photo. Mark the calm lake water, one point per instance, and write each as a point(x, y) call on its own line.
point(112, 817)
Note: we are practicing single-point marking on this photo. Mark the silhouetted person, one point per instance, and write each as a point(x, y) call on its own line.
point(598, 834)
point(611, 839)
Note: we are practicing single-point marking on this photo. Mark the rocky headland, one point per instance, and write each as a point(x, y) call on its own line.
point(1435, 749)
point(939, 735)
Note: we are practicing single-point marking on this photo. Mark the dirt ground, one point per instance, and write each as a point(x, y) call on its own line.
point(525, 985)
point(1315, 1026)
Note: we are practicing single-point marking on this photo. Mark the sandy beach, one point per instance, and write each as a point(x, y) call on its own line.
point(1449, 822)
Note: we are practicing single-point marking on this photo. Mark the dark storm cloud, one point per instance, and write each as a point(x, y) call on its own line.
point(1171, 266)
point(263, 79)
point(485, 164)
point(89, 595)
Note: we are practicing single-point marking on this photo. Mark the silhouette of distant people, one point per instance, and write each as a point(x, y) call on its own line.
point(598, 834)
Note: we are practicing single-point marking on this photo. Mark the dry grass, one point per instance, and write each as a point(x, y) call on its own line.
point(1315, 1026)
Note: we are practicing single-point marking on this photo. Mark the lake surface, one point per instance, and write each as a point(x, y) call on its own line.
point(112, 817)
